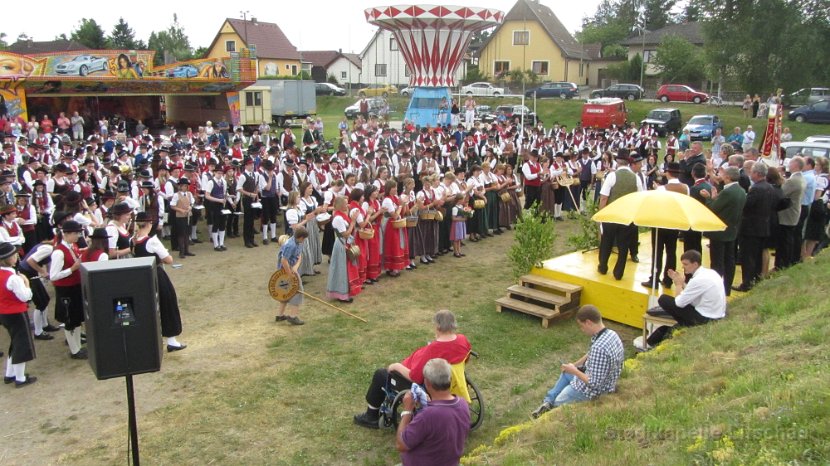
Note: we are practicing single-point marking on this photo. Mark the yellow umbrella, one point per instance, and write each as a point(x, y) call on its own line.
point(660, 209)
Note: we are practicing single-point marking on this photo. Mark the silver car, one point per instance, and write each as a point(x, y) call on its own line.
point(83, 65)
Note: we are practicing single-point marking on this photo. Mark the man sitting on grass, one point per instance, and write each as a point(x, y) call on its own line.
point(701, 300)
point(592, 375)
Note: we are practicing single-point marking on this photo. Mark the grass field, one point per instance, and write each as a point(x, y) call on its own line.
point(568, 112)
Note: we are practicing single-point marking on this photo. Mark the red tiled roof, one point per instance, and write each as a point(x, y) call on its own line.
point(268, 38)
point(321, 58)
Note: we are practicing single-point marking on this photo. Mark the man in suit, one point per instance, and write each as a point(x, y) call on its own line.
point(728, 206)
point(793, 190)
point(755, 226)
point(616, 185)
point(690, 161)
point(694, 239)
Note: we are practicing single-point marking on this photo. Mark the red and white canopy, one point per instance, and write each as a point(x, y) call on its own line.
point(432, 38)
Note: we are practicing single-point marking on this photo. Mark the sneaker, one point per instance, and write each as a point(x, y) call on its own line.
point(281, 318)
point(542, 409)
point(366, 420)
point(640, 344)
point(294, 320)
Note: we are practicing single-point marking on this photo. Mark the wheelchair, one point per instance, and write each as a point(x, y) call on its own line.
point(391, 408)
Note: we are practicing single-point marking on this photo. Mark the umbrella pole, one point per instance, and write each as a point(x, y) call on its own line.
point(654, 260)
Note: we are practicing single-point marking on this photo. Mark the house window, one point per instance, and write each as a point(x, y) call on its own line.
point(253, 99)
point(649, 55)
point(380, 70)
point(521, 37)
point(393, 44)
point(540, 68)
point(287, 67)
point(293, 70)
point(343, 75)
point(501, 67)
point(230, 46)
point(581, 69)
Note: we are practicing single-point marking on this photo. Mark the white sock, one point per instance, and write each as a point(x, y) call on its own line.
point(171, 341)
point(193, 232)
point(20, 371)
point(221, 238)
point(37, 319)
point(9, 367)
point(264, 232)
point(557, 210)
point(273, 230)
point(214, 237)
point(44, 317)
point(74, 345)
point(165, 231)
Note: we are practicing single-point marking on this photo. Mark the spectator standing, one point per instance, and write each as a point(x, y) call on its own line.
point(77, 127)
point(754, 228)
point(749, 139)
point(728, 206)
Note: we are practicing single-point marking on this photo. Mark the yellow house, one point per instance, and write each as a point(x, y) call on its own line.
point(275, 55)
point(532, 38)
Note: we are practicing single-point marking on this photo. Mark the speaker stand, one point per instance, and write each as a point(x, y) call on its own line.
point(132, 420)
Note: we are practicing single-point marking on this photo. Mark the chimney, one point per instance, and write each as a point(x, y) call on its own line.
point(253, 20)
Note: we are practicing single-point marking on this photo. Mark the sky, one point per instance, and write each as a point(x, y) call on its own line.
point(309, 24)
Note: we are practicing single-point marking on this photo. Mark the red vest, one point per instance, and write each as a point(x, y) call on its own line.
point(26, 214)
point(92, 256)
point(9, 304)
point(69, 259)
point(534, 168)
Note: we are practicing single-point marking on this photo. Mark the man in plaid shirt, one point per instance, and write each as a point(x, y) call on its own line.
point(593, 374)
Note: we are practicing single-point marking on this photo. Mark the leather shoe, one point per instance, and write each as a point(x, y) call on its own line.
point(8, 380)
point(80, 354)
point(649, 283)
point(189, 254)
point(635, 259)
point(44, 336)
point(265, 241)
point(254, 244)
point(741, 288)
point(171, 348)
point(249, 245)
point(29, 380)
point(667, 282)
point(601, 270)
point(50, 328)
point(365, 420)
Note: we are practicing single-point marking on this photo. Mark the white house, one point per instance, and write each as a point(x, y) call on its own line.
point(382, 62)
point(345, 67)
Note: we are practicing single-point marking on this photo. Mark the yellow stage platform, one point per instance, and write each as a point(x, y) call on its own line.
point(624, 301)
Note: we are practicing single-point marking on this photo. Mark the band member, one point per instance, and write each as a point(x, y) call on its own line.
point(14, 296)
point(216, 192)
point(64, 275)
point(34, 267)
point(270, 189)
point(119, 231)
point(182, 206)
point(10, 230)
point(150, 246)
point(395, 240)
point(532, 171)
point(247, 185)
point(344, 277)
point(290, 260)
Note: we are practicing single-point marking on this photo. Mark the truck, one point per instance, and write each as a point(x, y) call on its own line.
point(604, 112)
point(275, 101)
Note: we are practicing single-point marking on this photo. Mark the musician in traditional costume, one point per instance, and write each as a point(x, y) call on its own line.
point(10, 229)
point(290, 259)
point(374, 245)
point(65, 276)
point(310, 205)
point(146, 245)
point(296, 216)
point(14, 296)
point(216, 193)
point(118, 230)
point(344, 276)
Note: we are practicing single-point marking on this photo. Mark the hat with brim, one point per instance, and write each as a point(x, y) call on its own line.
point(107, 196)
point(148, 185)
point(71, 226)
point(120, 209)
point(59, 216)
point(673, 168)
point(184, 182)
point(72, 198)
point(7, 250)
point(142, 217)
point(99, 233)
point(22, 194)
point(7, 209)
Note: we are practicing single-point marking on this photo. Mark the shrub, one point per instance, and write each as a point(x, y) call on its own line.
point(533, 241)
point(588, 238)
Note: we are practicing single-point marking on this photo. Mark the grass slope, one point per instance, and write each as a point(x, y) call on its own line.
point(750, 390)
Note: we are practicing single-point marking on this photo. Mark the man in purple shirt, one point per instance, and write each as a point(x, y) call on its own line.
point(437, 434)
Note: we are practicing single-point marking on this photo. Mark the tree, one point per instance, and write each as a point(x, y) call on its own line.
point(173, 40)
point(678, 60)
point(658, 13)
point(90, 34)
point(474, 75)
point(123, 37)
point(3, 44)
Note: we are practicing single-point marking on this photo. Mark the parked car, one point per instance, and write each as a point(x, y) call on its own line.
point(818, 112)
point(563, 90)
point(806, 96)
point(183, 71)
point(702, 127)
point(482, 111)
point(511, 112)
point(376, 107)
point(620, 91)
point(374, 90)
point(482, 89)
point(83, 65)
point(818, 138)
point(328, 89)
point(680, 93)
point(407, 91)
point(664, 120)
point(603, 113)
point(805, 149)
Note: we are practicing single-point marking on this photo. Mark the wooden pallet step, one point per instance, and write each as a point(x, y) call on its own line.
point(538, 295)
point(535, 280)
point(527, 308)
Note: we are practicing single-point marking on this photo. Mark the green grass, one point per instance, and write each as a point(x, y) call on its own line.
point(568, 112)
point(752, 389)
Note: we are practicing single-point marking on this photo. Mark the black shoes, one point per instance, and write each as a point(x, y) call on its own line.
point(8, 380)
point(80, 354)
point(44, 336)
point(189, 254)
point(635, 259)
point(50, 328)
point(29, 380)
point(295, 320)
point(171, 348)
point(367, 420)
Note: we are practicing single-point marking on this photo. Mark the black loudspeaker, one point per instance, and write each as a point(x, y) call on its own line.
point(121, 306)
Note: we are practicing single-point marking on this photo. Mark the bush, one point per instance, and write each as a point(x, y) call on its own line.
point(588, 238)
point(533, 241)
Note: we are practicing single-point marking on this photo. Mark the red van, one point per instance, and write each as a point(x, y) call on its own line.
point(602, 113)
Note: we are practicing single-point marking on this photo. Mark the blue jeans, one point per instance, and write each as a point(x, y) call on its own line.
point(562, 393)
